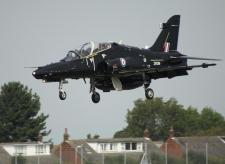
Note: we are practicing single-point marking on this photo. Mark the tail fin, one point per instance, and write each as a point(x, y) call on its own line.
point(168, 38)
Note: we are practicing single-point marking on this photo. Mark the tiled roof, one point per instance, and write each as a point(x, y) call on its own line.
point(84, 142)
point(88, 153)
point(111, 140)
point(50, 159)
point(216, 146)
point(23, 143)
point(4, 156)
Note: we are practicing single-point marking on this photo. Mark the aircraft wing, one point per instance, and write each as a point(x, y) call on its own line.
point(203, 65)
point(196, 58)
point(164, 69)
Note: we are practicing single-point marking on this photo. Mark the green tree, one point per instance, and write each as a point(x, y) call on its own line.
point(173, 114)
point(89, 136)
point(96, 136)
point(192, 121)
point(122, 134)
point(19, 119)
point(145, 115)
point(211, 123)
point(158, 116)
point(210, 118)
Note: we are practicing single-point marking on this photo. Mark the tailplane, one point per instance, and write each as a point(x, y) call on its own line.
point(168, 38)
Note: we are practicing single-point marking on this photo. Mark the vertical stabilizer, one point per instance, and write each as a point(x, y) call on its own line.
point(168, 38)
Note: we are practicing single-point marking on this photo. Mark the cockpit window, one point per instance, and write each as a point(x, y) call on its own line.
point(71, 55)
point(103, 46)
point(86, 49)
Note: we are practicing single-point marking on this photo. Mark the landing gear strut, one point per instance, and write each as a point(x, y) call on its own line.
point(62, 93)
point(149, 93)
point(95, 95)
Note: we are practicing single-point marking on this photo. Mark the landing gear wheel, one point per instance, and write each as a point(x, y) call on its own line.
point(95, 97)
point(149, 93)
point(62, 95)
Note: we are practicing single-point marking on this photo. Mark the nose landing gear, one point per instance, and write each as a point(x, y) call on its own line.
point(95, 95)
point(62, 93)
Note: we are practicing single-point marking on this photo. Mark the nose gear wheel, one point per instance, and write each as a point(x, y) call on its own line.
point(95, 97)
point(62, 95)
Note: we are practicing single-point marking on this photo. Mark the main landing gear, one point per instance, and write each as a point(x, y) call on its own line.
point(62, 93)
point(149, 93)
point(95, 95)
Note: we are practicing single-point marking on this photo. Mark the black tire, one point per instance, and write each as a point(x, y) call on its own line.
point(62, 95)
point(149, 93)
point(95, 97)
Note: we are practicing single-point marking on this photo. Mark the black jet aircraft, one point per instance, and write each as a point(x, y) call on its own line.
point(115, 66)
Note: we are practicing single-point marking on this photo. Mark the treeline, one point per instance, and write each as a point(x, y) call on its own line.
point(158, 116)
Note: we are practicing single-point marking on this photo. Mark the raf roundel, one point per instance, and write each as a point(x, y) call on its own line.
point(123, 62)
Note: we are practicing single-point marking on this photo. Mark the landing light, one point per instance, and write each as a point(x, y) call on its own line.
point(34, 73)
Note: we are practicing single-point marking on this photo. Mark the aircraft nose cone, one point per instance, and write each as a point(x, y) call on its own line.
point(36, 74)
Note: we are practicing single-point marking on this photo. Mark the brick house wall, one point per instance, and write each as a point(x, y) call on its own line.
point(173, 148)
point(68, 154)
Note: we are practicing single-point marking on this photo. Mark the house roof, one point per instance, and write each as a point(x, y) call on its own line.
point(151, 147)
point(158, 143)
point(24, 143)
point(216, 144)
point(50, 159)
point(5, 158)
point(89, 154)
point(111, 140)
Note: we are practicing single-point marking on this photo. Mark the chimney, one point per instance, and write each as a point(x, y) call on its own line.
point(171, 132)
point(146, 134)
point(40, 138)
point(66, 135)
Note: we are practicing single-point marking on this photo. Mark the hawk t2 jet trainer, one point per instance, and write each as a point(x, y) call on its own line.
point(114, 66)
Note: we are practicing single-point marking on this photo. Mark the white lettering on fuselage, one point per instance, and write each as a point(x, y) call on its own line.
point(156, 63)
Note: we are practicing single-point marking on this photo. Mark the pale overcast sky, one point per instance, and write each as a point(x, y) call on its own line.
point(35, 33)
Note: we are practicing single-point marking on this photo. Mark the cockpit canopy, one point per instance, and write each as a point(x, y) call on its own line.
point(86, 50)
